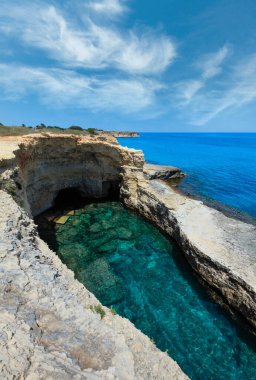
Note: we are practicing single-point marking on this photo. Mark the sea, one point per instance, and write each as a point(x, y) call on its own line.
point(220, 167)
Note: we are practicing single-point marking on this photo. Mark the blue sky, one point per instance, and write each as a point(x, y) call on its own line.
point(166, 65)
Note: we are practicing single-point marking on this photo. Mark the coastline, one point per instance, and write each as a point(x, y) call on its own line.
point(174, 176)
point(227, 210)
point(221, 177)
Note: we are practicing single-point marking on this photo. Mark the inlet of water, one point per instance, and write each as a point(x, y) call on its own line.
point(130, 265)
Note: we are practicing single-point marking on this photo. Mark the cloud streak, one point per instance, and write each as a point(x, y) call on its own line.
point(84, 43)
point(59, 88)
point(235, 90)
point(210, 66)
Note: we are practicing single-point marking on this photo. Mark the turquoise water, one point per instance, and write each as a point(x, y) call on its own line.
point(129, 265)
point(220, 167)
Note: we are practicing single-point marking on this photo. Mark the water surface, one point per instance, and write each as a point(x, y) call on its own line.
point(219, 166)
point(129, 265)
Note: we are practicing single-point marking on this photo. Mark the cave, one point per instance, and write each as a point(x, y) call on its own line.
point(75, 196)
point(71, 196)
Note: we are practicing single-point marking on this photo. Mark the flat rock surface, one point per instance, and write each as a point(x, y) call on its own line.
point(162, 171)
point(228, 241)
point(7, 146)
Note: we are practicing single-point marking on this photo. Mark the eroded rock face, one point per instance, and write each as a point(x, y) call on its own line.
point(49, 164)
point(222, 250)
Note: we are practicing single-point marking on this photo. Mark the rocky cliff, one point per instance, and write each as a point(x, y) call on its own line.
point(48, 164)
point(51, 326)
point(222, 250)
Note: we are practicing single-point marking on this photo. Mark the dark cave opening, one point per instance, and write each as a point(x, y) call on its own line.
point(71, 196)
point(74, 197)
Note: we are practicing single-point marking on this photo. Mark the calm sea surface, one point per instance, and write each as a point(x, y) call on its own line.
point(220, 167)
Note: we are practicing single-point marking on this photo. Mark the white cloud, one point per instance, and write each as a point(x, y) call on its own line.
point(235, 90)
point(146, 53)
point(108, 7)
point(61, 88)
point(83, 43)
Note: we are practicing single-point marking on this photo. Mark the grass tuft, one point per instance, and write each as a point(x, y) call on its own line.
point(99, 310)
point(8, 185)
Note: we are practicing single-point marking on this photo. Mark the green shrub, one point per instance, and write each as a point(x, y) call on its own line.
point(92, 131)
point(76, 128)
point(99, 310)
point(8, 185)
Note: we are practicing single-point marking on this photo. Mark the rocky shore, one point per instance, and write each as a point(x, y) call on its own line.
point(162, 172)
point(50, 327)
point(125, 134)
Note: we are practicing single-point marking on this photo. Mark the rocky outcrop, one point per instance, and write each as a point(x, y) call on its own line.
point(222, 250)
point(125, 134)
point(162, 172)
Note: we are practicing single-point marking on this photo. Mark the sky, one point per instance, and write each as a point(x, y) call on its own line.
point(145, 65)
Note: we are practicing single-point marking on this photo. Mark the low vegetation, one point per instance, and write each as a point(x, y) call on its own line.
point(99, 310)
point(25, 130)
point(8, 185)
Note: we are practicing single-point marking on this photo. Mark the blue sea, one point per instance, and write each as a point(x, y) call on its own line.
point(220, 167)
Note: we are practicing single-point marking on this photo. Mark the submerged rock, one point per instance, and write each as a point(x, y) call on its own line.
point(123, 233)
point(99, 274)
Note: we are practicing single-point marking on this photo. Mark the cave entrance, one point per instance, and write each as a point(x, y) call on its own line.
point(74, 197)
point(111, 190)
point(68, 197)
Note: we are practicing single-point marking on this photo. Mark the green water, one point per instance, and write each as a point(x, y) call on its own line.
point(128, 264)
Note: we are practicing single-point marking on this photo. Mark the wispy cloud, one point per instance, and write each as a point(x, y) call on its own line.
point(56, 87)
point(86, 44)
point(236, 89)
point(209, 65)
point(93, 62)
